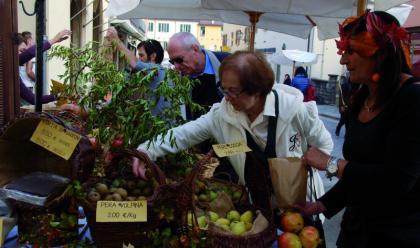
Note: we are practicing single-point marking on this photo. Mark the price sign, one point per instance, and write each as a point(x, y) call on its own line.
point(121, 211)
point(1, 231)
point(55, 138)
point(224, 150)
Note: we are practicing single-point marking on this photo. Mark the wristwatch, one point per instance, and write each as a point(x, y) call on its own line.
point(332, 167)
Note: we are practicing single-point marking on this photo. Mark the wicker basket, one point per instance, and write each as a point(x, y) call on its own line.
point(21, 157)
point(220, 240)
point(115, 234)
point(259, 240)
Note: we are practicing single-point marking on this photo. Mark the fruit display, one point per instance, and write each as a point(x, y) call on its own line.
point(122, 190)
point(233, 222)
point(209, 189)
point(296, 234)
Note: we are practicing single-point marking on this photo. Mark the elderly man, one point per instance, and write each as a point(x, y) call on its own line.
point(189, 58)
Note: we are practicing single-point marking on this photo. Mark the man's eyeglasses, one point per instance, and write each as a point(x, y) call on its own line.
point(230, 92)
point(178, 60)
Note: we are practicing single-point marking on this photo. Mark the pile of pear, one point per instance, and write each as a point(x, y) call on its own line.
point(234, 222)
point(122, 190)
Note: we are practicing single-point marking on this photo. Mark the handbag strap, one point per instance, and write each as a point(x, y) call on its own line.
point(270, 148)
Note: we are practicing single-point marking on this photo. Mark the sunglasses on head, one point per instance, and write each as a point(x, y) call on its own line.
point(178, 60)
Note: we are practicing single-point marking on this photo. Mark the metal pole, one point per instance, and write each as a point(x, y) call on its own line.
point(361, 7)
point(40, 31)
point(253, 18)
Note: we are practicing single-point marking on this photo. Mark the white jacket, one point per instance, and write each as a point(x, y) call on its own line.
point(296, 118)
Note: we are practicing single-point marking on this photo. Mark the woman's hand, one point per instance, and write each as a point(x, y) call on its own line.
point(312, 208)
point(315, 158)
point(62, 35)
point(139, 168)
point(111, 34)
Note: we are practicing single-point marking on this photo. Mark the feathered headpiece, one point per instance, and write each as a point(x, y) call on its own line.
point(378, 34)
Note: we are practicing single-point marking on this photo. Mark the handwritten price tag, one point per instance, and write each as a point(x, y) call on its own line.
point(1, 231)
point(55, 138)
point(224, 150)
point(121, 211)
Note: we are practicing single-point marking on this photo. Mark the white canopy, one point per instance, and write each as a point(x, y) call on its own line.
point(294, 17)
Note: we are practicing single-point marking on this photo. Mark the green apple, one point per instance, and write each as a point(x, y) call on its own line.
point(247, 216)
point(233, 215)
point(222, 221)
point(238, 228)
point(202, 221)
point(213, 216)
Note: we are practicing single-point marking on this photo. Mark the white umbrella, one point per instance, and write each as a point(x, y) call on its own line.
point(294, 17)
point(293, 58)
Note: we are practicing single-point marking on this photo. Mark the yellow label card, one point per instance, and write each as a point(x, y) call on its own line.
point(55, 138)
point(224, 150)
point(121, 211)
point(1, 231)
point(128, 246)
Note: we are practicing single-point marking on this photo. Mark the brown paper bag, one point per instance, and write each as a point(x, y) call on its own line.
point(289, 178)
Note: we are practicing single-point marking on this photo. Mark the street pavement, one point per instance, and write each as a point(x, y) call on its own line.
point(330, 116)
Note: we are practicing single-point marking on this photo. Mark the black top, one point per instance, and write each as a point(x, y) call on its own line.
point(380, 186)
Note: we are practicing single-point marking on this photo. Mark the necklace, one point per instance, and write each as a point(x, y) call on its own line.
point(369, 109)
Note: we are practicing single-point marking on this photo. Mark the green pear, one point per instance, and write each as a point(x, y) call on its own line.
point(238, 228)
point(212, 195)
point(247, 216)
point(233, 215)
point(236, 195)
point(248, 226)
point(225, 227)
point(222, 221)
point(202, 221)
point(189, 218)
point(213, 216)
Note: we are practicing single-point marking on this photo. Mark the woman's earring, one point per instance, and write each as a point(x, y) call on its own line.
point(376, 77)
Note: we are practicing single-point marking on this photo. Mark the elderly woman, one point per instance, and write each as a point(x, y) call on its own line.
point(245, 113)
point(379, 176)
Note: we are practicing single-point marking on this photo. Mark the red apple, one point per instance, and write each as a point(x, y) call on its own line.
point(289, 240)
point(310, 237)
point(291, 222)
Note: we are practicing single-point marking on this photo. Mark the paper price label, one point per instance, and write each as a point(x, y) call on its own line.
point(121, 211)
point(55, 138)
point(224, 150)
point(1, 231)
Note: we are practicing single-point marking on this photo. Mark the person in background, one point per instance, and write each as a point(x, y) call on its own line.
point(26, 54)
point(30, 65)
point(287, 80)
point(345, 93)
point(23, 73)
point(150, 56)
point(300, 80)
point(250, 103)
point(379, 184)
point(190, 59)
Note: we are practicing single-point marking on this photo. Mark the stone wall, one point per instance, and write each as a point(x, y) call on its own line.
point(326, 90)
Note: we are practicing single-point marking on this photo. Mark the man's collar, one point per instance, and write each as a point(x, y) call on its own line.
point(208, 68)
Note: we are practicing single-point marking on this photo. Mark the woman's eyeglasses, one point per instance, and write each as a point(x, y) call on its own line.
point(230, 92)
point(178, 60)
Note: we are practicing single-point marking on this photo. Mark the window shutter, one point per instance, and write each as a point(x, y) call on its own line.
point(9, 81)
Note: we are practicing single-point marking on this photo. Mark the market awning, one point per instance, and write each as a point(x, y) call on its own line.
point(135, 28)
